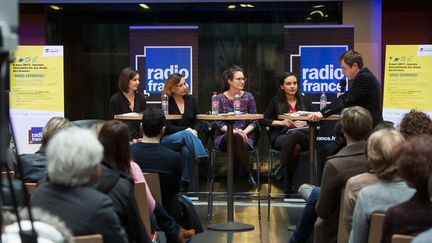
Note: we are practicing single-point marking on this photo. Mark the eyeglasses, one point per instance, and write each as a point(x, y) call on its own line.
point(241, 79)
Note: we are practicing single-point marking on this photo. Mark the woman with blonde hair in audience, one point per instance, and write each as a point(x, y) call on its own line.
point(379, 152)
point(414, 159)
point(377, 198)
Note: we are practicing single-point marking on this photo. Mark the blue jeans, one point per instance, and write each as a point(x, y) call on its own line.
point(190, 148)
point(304, 229)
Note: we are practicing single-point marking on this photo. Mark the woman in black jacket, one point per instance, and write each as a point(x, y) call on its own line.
point(287, 135)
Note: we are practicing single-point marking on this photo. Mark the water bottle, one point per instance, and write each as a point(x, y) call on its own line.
point(215, 104)
point(164, 103)
point(237, 104)
point(323, 100)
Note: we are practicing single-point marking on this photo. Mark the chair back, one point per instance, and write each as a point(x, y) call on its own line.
point(30, 187)
point(86, 123)
point(96, 238)
point(375, 228)
point(343, 235)
point(141, 200)
point(402, 238)
point(153, 183)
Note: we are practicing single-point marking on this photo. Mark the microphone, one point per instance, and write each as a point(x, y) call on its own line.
point(343, 84)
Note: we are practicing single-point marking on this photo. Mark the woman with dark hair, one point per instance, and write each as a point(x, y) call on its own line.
point(415, 166)
point(233, 81)
point(116, 182)
point(286, 135)
point(128, 99)
point(182, 135)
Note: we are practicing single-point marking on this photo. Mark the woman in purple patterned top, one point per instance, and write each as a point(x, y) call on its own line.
point(244, 137)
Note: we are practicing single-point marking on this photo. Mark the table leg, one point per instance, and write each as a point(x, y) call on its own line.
point(312, 164)
point(230, 225)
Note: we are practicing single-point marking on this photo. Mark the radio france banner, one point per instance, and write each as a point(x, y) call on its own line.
point(320, 69)
point(37, 94)
point(162, 61)
point(159, 51)
point(408, 71)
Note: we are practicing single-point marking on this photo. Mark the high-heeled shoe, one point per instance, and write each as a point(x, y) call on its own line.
point(251, 181)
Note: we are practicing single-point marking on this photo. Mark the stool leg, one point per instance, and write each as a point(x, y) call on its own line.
point(269, 186)
point(210, 188)
point(259, 186)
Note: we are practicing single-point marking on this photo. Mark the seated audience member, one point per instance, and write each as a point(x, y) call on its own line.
point(153, 157)
point(379, 152)
point(414, 159)
point(351, 160)
point(182, 135)
point(377, 198)
point(426, 236)
point(415, 123)
point(116, 181)
point(73, 164)
point(34, 165)
point(49, 228)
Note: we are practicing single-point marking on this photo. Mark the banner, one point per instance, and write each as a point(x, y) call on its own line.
point(36, 77)
point(159, 51)
point(407, 81)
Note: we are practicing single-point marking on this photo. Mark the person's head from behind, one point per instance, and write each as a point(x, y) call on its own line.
point(153, 122)
point(380, 147)
point(233, 78)
point(176, 85)
point(414, 158)
point(114, 137)
point(288, 85)
point(356, 123)
point(128, 80)
point(415, 123)
point(73, 157)
point(351, 63)
point(53, 126)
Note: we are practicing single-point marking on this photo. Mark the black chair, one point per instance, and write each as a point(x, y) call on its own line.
point(214, 152)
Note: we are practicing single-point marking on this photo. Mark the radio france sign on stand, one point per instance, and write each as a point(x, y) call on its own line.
point(162, 61)
point(320, 70)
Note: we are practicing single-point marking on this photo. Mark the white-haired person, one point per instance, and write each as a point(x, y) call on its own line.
point(73, 163)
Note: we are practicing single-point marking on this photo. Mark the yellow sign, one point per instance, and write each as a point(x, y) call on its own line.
point(37, 79)
point(408, 78)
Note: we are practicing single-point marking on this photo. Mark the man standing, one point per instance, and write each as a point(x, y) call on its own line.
point(364, 90)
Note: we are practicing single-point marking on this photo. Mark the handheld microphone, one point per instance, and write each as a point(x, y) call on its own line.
point(343, 84)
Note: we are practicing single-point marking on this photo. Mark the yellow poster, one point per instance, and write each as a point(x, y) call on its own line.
point(407, 80)
point(36, 85)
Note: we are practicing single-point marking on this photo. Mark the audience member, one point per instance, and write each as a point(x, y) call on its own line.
point(379, 152)
point(153, 157)
point(415, 123)
point(182, 135)
point(414, 159)
point(34, 165)
point(351, 160)
point(287, 135)
point(426, 236)
point(128, 99)
point(244, 138)
point(73, 164)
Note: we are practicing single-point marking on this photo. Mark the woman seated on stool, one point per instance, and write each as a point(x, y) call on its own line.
point(182, 135)
point(283, 133)
point(243, 138)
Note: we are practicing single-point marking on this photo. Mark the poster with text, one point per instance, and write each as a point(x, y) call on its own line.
point(407, 81)
point(36, 85)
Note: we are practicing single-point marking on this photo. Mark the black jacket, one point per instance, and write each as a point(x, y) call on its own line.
point(33, 166)
point(365, 91)
point(278, 106)
point(120, 188)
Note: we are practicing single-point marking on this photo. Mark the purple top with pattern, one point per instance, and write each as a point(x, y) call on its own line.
point(247, 106)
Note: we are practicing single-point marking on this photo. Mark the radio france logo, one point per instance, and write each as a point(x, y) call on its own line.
point(35, 135)
point(162, 61)
point(320, 69)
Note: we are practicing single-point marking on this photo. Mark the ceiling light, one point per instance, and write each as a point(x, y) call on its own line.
point(55, 7)
point(250, 6)
point(243, 5)
point(231, 6)
point(319, 6)
point(318, 12)
point(144, 6)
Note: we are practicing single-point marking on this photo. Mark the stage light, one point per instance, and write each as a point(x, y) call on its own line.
point(231, 6)
point(55, 7)
point(144, 6)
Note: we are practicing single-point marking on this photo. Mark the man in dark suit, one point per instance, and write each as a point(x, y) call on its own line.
point(364, 90)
